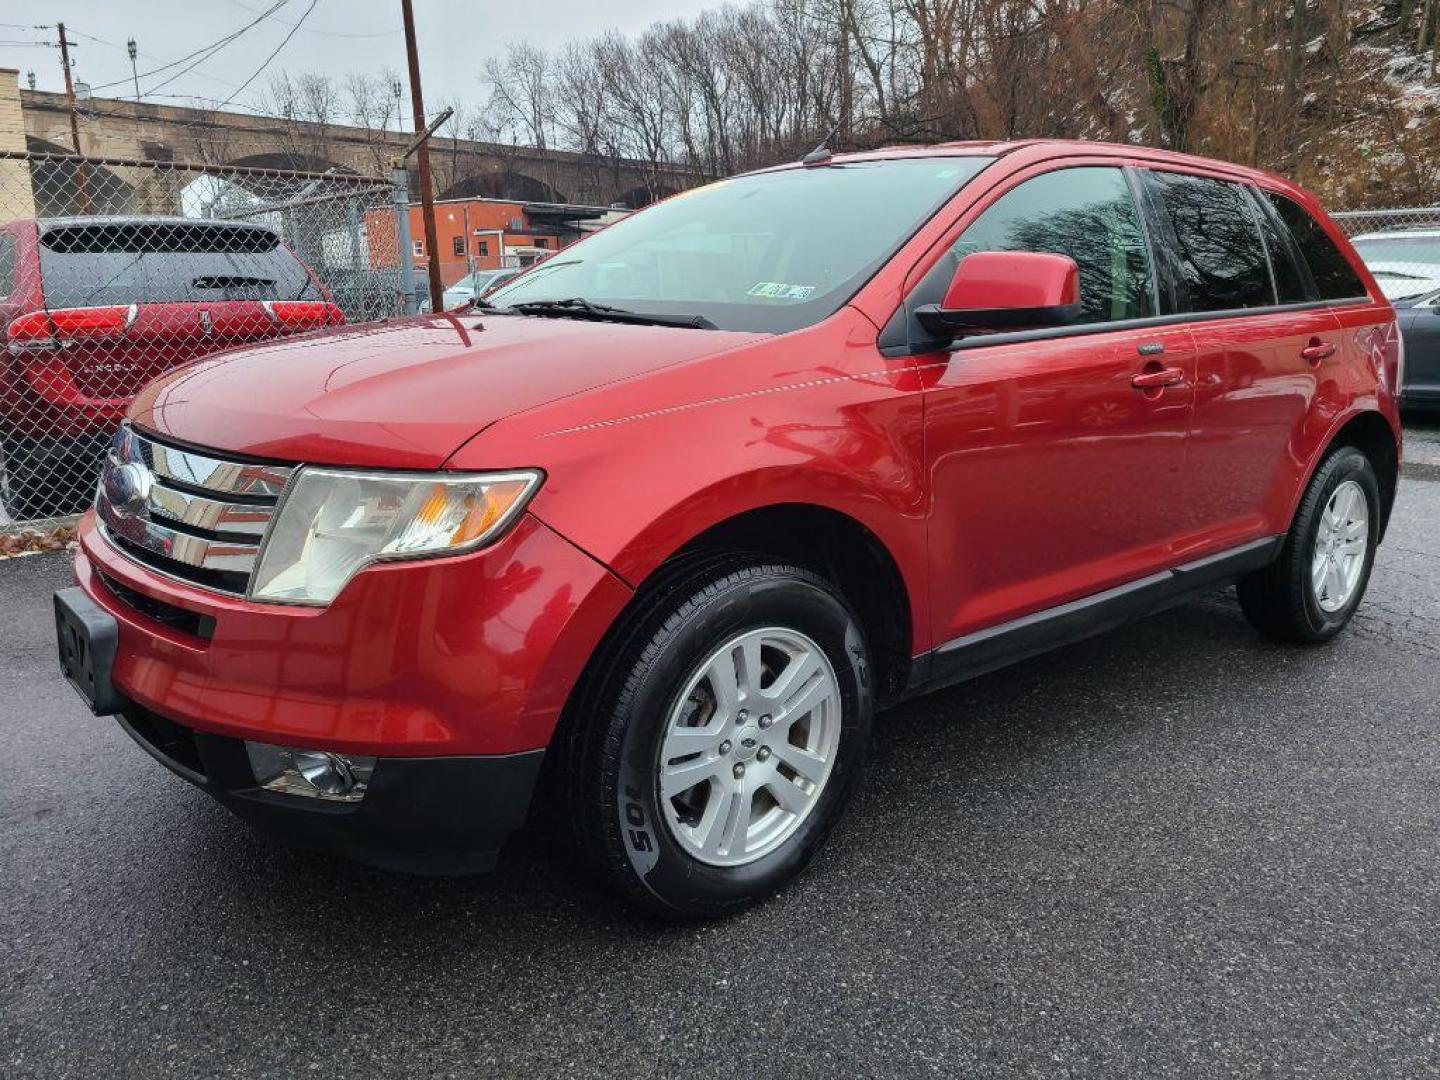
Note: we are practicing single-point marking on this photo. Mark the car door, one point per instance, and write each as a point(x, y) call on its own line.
point(1052, 473)
point(1263, 352)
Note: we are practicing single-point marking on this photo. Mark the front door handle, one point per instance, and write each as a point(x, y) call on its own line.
point(1158, 378)
point(1318, 350)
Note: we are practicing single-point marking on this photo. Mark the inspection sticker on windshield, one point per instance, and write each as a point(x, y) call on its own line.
point(778, 290)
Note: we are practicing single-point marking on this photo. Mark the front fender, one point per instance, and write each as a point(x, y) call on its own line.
point(634, 471)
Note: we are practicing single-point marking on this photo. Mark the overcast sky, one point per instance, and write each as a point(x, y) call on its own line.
point(338, 36)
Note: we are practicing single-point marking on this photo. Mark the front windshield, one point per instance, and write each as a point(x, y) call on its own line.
point(768, 252)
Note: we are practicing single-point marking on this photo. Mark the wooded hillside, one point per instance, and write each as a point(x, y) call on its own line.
point(1342, 96)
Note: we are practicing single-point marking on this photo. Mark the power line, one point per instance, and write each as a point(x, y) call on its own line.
point(213, 47)
point(188, 68)
point(121, 48)
point(284, 41)
point(92, 37)
point(207, 56)
point(241, 88)
point(321, 33)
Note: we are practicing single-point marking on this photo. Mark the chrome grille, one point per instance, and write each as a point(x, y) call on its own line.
point(188, 514)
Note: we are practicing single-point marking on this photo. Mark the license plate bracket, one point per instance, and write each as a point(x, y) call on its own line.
point(86, 636)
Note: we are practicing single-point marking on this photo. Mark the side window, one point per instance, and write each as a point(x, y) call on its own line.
point(1290, 284)
point(1334, 276)
point(7, 264)
point(1086, 213)
point(1219, 252)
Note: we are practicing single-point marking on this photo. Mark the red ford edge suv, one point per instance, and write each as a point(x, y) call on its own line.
point(678, 511)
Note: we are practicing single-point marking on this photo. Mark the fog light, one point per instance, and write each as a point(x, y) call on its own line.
point(317, 774)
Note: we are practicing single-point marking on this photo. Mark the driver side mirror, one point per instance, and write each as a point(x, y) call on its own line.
point(1006, 290)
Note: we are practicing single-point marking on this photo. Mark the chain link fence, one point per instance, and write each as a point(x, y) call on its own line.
point(113, 272)
point(1401, 247)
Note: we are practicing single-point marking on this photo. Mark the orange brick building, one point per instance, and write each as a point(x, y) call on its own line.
point(484, 234)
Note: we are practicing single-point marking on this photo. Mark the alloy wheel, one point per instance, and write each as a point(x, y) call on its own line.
point(749, 746)
point(1341, 542)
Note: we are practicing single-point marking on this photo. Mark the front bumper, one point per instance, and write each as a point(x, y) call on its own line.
point(452, 673)
point(438, 815)
point(471, 655)
point(447, 815)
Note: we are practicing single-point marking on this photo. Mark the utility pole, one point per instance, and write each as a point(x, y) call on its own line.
point(422, 157)
point(84, 199)
point(469, 262)
point(134, 74)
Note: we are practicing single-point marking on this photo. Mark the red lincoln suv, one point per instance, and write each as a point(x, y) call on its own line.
point(93, 308)
point(676, 512)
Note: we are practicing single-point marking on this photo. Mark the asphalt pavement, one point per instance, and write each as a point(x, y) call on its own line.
point(1178, 850)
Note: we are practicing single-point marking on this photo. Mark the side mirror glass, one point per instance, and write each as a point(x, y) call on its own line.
point(1006, 290)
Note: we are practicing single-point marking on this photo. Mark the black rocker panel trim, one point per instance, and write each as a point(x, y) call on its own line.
point(1030, 635)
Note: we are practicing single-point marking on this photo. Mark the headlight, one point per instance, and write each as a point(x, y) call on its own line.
point(333, 523)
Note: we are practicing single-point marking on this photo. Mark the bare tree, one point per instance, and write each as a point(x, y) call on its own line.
point(1339, 94)
point(370, 104)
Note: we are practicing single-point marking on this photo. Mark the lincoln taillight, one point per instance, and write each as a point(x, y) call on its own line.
point(48, 329)
point(304, 314)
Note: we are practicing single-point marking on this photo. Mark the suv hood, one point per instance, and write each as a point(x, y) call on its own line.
point(406, 393)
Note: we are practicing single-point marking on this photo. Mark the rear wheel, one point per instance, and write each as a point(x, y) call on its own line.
point(1311, 591)
point(723, 740)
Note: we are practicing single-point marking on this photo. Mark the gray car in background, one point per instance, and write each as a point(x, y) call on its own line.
point(1406, 264)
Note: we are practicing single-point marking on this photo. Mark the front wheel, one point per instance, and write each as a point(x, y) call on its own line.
point(724, 739)
point(22, 495)
point(45, 480)
point(1311, 591)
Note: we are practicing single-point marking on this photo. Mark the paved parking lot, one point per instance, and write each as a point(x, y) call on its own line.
point(1177, 850)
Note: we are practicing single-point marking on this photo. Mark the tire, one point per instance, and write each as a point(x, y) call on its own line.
point(36, 485)
point(1284, 599)
point(19, 492)
point(647, 847)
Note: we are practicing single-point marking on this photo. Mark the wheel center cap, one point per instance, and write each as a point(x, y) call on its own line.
point(747, 743)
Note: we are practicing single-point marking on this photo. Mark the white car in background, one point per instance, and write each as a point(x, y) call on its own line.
point(474, 285)
point(1405, 262)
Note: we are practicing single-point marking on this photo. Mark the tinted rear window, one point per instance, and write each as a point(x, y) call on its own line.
point(1335, 278)
point(164, 262)
point(1290, 284)
point(1218, 246)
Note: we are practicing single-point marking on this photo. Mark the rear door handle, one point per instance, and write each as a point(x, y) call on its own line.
point(1158, 378)
point(1318, 350)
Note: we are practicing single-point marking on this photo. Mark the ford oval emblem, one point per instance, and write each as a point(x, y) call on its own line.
point(127, 488)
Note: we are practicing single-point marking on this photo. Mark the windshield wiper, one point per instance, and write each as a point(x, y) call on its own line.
point(579, 308)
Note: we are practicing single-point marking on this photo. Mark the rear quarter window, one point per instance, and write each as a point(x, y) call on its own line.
point(1335, 278)
point(90, 264)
